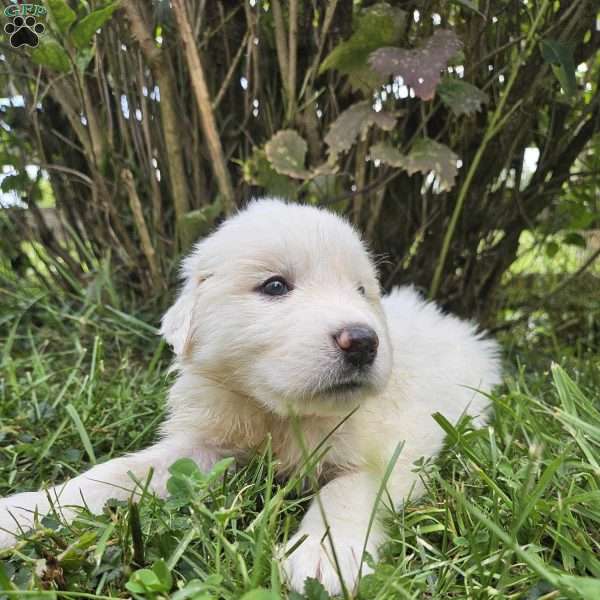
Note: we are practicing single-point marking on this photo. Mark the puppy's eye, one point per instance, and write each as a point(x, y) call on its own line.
point(275, 286)
point(361, 290)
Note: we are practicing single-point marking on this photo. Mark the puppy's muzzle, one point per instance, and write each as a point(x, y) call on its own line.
point(358, 344)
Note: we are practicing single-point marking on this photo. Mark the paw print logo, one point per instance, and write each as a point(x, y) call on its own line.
point(24, 32)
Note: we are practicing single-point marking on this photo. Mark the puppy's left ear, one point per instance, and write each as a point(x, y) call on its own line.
point(176, 324)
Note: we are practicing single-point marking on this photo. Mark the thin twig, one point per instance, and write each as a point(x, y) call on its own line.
point(292, 57)
point(204, 104)
point(168, 109)
point(230, 72)
point(281, 44)
point(140, 224)
point(311, 73)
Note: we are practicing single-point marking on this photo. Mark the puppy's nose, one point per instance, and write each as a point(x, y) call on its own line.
point(359, 344)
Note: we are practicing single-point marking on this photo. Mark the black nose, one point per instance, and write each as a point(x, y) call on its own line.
point(359, 343)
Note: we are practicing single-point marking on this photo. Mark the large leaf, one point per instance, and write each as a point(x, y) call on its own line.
point(49, 53)
point(387, 154)
point(560, 56)
point(84, 31)
point(150, 581)
point(461, 97)
point(62, 14)
point(257, 170)
point(425, 156)
point(286, 152)
point(185, 478)
point(314, 590)
point(376, 26)
point(428, 155)
point(419, 68)
point(84, 57)
point(354, 122)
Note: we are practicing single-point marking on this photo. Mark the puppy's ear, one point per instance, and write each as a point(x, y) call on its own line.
point(176, 324)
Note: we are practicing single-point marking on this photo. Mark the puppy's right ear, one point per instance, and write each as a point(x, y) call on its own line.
point(176, 324)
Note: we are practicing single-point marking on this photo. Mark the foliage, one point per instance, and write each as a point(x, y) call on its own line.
point(413, 119)
point(419, 68)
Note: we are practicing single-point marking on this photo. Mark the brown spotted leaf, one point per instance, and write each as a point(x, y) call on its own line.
point(428, 155)
point(354, 122)
point(461, 97)
point(286, 151)
point(424, 157)
point(374, 27)
point(387, 154)
point(419, 68)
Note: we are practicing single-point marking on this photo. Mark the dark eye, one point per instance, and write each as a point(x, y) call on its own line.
point(361, 290)
point(275, 286)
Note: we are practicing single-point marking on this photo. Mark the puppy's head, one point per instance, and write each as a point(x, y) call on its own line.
point(282, 304)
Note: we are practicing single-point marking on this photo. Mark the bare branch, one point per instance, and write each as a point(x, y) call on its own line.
point(204, 103)
point(293, 57)
point(168, 108)
point(142, 228)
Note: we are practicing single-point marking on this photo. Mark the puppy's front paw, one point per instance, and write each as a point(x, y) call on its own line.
point(314, 558)
point(17, 514)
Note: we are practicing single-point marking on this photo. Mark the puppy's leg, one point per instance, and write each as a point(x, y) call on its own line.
point(112, 479)
point(347, 503)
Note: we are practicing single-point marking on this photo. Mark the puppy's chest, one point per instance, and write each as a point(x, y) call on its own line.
point(293, 443)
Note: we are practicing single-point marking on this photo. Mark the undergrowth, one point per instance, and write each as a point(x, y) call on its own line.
point(512, 510)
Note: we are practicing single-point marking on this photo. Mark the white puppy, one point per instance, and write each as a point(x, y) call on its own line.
point(281, 321)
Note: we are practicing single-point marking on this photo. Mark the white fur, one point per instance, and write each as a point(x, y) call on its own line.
point(250, 365)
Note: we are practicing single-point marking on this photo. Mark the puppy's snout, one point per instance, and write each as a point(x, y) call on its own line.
point(359, 344)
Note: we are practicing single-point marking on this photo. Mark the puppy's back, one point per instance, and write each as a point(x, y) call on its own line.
point(439, 359)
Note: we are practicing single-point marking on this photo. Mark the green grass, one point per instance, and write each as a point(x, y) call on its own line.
point(512, 510)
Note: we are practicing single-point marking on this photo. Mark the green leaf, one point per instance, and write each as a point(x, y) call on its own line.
point(185, 466)
point(18, 182)
point(134, 587)
point(425, 156)
point(62, 14)
point(551, 249)
point(387, 154)
point(163, 573)
point(314, 590)
point(83, 32)
point(286, 152)
point(575, 239)
point(376, 26)
point(460, 97)
point(185, 478)
point(84, 57)
point(51, 54)
point(354, 122)
point(5, 583)
point(220, 467)
point(157, 579)
point(197, 223)
point(257, 170)
point(560, 56)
